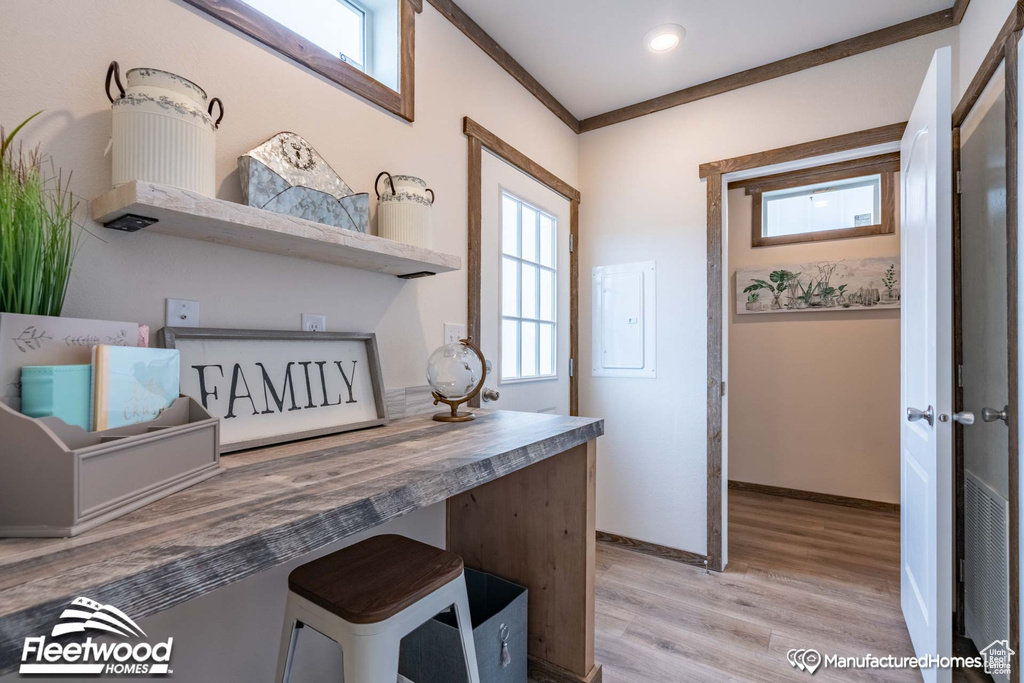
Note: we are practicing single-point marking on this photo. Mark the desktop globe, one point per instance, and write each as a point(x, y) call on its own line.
point(456, 373)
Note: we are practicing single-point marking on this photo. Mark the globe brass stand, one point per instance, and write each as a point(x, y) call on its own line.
point(454, 403)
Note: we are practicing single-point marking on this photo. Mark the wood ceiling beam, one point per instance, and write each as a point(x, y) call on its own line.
point(830, 53)
point(474, 32)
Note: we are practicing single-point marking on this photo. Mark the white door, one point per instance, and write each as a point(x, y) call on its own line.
point(524, 290)
point(926, 448)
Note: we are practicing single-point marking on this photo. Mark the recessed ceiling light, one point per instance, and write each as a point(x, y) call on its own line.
point(665, 37)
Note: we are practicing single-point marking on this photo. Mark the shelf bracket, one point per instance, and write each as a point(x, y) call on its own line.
point(130, 222)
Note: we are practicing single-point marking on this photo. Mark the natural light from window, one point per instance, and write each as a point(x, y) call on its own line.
point(528, 277)
point(836, 205)
point(338, 26)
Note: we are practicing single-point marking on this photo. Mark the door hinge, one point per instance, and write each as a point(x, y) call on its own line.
point(572, 242)
point(571, 367)
point(958, 182)
point(723, 388)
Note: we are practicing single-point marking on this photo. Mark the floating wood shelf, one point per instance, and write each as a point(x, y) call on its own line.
point(195, 216)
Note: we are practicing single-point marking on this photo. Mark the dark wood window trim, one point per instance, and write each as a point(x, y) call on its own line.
point(887, 165)
point(257, 25)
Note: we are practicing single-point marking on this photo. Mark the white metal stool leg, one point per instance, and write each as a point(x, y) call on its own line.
point(289, 636)
point(462, 614)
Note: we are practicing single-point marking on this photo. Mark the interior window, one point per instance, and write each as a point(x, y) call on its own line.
point(337, 26)
point(851, 203)
point(528, 277)
point(346, 41)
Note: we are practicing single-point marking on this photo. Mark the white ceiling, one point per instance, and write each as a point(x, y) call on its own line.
point(590, 54)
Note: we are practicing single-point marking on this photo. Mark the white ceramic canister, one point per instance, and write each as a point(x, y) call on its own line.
point(404, 210)
point(163, 130)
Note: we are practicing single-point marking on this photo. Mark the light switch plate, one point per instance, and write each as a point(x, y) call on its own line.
point(314, 322)
point(181, 313)
point(453, 332)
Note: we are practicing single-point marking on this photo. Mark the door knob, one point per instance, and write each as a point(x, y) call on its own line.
point(490, 394)
point(964, 417)
point(913, 415)
point(991, 414)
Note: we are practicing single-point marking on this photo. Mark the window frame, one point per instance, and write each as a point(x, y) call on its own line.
point(262, 28)
point(885, 166)
point(366, 27)
point(553, 269)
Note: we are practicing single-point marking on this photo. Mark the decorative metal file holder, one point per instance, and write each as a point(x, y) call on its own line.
point(60, 480)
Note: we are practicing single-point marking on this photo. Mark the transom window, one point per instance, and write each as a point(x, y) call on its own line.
point(338, 26)
point(855, 198)
point(851, 203)
point(528, 291)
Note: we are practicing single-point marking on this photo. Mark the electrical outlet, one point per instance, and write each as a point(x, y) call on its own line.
point(181, 313)
point(314, 322)
point(453, 332)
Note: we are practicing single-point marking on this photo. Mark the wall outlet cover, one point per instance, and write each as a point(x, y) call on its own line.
point(453, 332)
point(314, 322)
point(181, 313)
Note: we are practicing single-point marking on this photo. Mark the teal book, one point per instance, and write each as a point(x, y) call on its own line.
point(58, 391)
point(131, 384)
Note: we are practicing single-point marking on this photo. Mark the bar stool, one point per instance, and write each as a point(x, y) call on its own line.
point(368, 596)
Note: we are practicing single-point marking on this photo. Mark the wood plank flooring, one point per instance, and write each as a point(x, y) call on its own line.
point(800, 574)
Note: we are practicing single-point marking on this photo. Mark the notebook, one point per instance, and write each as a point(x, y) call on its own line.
point(59, 391)
point(132, 385)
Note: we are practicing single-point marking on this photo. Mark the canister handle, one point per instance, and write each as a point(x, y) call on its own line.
point(390, 182)
point(114, 71)
point(431, 194)
point(209, 110)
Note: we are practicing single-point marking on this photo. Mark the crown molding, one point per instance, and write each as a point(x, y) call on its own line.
point(474, 32)
point(914, 28)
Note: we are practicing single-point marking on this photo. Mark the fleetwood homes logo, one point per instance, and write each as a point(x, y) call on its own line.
point(313, 392)
point(90, 657)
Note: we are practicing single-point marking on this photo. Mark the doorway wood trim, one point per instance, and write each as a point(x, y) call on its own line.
point(480, 139)
point(713, 173)
point(1004, 48)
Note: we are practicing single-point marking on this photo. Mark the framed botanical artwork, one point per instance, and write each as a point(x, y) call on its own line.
point(836, 285)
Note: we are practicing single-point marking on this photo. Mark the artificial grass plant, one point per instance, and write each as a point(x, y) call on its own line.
point(37, 236)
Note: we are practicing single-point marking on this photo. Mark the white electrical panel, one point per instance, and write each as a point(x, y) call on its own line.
point(624, 343)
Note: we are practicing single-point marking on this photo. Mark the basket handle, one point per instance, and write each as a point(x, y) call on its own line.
point(113, 71)
point(431, 195)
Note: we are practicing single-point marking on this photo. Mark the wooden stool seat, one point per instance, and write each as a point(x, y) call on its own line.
point(375, 579)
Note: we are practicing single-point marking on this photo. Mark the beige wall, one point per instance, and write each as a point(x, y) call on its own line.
point(643, 200)
point(813, 397)
point(54, 57)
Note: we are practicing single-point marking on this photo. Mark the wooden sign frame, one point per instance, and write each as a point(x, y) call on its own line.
point(170, 338)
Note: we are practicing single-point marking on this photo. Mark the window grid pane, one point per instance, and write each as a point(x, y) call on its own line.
point(528, 291)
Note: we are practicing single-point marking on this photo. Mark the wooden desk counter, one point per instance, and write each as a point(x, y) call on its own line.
point(514, 509)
